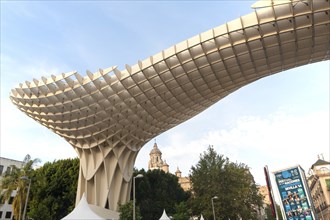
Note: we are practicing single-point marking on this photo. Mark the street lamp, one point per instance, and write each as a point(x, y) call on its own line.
point(137, 176)
point(215, 197)
point(27, 196)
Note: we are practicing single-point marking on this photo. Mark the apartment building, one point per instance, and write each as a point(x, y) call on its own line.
point(6, 166)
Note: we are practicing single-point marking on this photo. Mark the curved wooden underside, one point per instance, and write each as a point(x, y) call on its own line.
point(109, 115)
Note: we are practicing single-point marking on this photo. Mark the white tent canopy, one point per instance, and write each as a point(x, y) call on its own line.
point(164, 216)
point(86, 211)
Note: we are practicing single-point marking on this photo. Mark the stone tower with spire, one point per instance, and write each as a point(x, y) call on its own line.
point(156, 161)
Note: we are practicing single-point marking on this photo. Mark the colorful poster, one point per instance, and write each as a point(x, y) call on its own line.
point(294, 195)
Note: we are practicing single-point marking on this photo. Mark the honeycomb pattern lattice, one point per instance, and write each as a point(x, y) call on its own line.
point(107, 116)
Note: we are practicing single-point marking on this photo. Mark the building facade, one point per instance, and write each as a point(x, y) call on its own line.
point(183, 180)
point(5, 167)
point(319, 184)
point(261, 211)
point(156, 163)
point(263, 190)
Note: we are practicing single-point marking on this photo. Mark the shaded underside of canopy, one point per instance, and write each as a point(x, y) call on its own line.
point(107, 116)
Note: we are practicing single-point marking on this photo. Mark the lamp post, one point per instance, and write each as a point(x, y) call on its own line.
point(215, 197)
point(137, 176)
point(27, 196)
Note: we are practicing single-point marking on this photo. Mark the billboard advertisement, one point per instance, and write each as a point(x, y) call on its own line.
point(294, 194)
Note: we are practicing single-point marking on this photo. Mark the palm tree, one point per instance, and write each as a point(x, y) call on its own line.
point(14, 180)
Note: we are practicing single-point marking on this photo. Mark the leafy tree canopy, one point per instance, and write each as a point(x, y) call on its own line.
point(53, 189)
point(269, 214)
point(126, 211)
point(232, 184)
point(157, 191)
point(182, 212)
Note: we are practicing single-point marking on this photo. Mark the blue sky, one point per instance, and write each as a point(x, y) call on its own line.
point(279, 121)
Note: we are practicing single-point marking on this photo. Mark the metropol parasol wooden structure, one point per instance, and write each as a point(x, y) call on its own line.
point(108, 116)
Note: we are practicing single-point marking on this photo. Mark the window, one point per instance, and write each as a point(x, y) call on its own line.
point(327, 181)
point(0, 214)
point(11, 199)
point(8, 170)
point(1, 170)
point(8, 215)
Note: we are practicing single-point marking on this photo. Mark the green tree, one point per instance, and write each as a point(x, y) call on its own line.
point(126, 211)
point(53, 190)
point(182, 212)
point(15, 179)
point(269, 214)
point(232, 183)
point(157, 191)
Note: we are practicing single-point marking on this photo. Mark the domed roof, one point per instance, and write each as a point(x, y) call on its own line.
point(155, 150)
point(320, 162)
